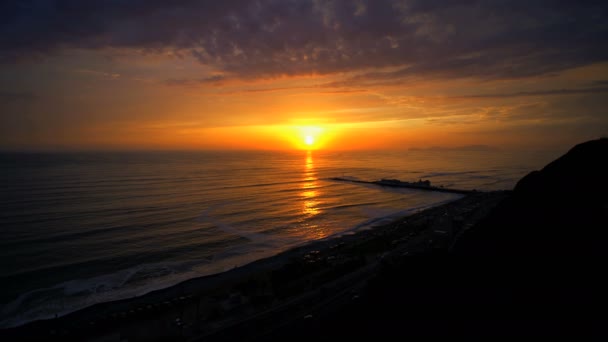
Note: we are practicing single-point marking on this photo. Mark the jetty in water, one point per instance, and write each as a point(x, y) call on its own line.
point(395, 183)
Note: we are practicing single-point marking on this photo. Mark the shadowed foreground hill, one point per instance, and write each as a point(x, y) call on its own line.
point(558, 211)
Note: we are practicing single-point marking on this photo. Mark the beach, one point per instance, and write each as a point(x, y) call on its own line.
point(298, 284)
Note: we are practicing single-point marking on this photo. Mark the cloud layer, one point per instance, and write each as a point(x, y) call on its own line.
point(252, 39)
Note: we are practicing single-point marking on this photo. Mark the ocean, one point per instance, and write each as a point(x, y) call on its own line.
point(82, 228)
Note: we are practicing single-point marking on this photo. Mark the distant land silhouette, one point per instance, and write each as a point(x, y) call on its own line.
point(457, 148)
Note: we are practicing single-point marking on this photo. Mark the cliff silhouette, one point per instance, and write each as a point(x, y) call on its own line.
point(560, 210)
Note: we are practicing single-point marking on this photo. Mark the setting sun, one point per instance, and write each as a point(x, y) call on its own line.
point(310, 137)
point(309, 140)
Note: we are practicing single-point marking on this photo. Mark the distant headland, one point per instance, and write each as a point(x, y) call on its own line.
point(457, 148)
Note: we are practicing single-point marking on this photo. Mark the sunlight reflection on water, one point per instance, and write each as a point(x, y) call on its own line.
point(309, 188)
point(310, 195)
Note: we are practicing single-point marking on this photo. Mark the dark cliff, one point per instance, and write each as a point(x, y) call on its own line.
point(560, 210)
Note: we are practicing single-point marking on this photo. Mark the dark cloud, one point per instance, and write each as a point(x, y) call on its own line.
point(566, 91)
point(8, 97)
point(250, 39)
point(214, 79)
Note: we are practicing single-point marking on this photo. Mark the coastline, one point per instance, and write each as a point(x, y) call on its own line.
point(277, 289)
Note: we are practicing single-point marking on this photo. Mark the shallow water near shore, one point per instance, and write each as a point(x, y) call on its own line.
point(82, 228)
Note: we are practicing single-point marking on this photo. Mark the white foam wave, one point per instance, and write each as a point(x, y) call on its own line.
point(72, 295)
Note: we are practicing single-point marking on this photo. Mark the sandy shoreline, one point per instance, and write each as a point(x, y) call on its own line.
point(275, 290)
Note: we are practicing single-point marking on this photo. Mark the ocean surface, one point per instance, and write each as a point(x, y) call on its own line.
point(82, 228)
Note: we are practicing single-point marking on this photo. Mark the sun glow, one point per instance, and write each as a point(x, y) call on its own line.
point(309, 140)
point(309, 137)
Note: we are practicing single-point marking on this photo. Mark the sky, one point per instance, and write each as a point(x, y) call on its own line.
point(287, 74)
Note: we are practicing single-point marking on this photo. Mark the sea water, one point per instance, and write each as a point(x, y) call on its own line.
point(82, 228)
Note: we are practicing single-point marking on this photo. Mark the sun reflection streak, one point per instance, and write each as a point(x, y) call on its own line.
point(310, 194)
point(309, 186)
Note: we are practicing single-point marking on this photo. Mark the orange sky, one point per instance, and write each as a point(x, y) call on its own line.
point(122, 94)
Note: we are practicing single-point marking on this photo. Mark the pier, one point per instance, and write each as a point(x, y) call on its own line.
point(395, 183)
